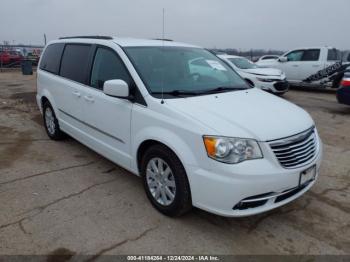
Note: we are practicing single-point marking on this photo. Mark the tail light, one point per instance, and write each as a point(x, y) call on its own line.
point(345, 82)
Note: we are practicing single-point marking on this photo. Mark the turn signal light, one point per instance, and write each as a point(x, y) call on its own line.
point(210, 143)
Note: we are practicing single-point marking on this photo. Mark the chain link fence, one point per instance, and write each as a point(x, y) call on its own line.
point(12, 56)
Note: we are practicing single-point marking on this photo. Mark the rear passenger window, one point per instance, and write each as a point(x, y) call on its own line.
point(51, 58)
point(311, 55)
point(75, 62)
point(108, 66)
point(333, 55)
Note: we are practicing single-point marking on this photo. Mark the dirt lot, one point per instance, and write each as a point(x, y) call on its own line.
point(61, 197)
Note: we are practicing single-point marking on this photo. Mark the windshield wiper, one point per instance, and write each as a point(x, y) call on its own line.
point(221, 89)
point(177, 93)
point(183, 93)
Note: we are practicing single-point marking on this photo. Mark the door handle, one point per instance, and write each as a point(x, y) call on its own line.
point(76, 93)
point(89, 99)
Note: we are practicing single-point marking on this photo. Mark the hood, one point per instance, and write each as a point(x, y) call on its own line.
point(264, 71)
point(248, 113)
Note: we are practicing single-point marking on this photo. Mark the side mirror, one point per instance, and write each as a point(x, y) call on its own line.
point(283, 59)
point(116, 88)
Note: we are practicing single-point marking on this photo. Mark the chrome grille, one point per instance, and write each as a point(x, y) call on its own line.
point(296, 151)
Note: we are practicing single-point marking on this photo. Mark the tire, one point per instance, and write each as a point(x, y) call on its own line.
point(337, 81)
point(51, 124)
point(181, 202)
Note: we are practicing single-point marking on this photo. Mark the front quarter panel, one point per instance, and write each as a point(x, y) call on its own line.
point(178, 132)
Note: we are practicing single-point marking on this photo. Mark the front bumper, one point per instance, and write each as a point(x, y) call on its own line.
point(275, 87)
point(222, 188)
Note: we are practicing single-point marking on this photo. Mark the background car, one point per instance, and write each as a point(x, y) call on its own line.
point(343, 93)
point(311, 67)
point(33, 57)
point(268, 57)
point(15, 57)
point(268, 79)
point(4, 58)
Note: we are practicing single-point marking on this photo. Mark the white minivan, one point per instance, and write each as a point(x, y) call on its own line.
point(197, 138)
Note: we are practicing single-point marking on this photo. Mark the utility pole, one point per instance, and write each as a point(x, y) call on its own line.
point(1, 59)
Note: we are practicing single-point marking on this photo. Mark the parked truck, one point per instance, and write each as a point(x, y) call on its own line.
point(314, 67)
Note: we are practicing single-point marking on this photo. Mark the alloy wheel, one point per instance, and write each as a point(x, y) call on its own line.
point(161, 181)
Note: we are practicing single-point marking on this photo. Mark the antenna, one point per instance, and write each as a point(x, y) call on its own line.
point(162, 101)
point(163, 34)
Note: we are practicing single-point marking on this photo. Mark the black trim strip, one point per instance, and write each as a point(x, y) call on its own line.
point(290, 137)
point(101, 37)
point(95, 128)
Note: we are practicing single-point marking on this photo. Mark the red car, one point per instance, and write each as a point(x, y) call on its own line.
point(15, 57)
point(343, 93)
point(4, 58)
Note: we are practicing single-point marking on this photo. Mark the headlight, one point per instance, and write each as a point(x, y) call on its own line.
point(232, 150)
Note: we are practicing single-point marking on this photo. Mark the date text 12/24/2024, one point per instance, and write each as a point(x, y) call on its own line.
point(173, 258)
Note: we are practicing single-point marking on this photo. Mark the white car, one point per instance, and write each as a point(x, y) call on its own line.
point(268, 57)
point(268, 79)
point(205, 139)
point(312, 66)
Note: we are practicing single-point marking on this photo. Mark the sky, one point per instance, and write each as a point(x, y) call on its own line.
point(241, 24)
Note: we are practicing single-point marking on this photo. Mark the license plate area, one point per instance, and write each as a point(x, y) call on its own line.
point(307, 176)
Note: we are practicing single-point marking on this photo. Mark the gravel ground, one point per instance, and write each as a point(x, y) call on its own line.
point(63, 198)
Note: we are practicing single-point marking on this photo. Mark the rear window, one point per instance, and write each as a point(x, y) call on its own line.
point(51, 58)
point(75, 61)
point(334, 55)
point(311, 55)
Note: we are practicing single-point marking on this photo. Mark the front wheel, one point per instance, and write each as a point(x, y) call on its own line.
point(165, 181)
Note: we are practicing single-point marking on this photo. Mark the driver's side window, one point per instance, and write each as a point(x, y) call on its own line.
point(107, 66)
point(295, 55)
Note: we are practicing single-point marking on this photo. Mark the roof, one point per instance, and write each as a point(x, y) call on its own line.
point(230, 56)
point(312, 47)
point(148, 42)
point(123, 41)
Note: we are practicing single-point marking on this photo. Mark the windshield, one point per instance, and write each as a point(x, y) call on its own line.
point(242, 63)
point(188, 70)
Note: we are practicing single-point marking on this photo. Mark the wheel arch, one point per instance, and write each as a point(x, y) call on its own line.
point(145, 145)
point(43, 100)
point(46, 97)
point(250, 82)
point(169, 139)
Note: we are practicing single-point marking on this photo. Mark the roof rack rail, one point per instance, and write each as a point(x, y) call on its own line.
point(161, 39)
point(89, 37)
